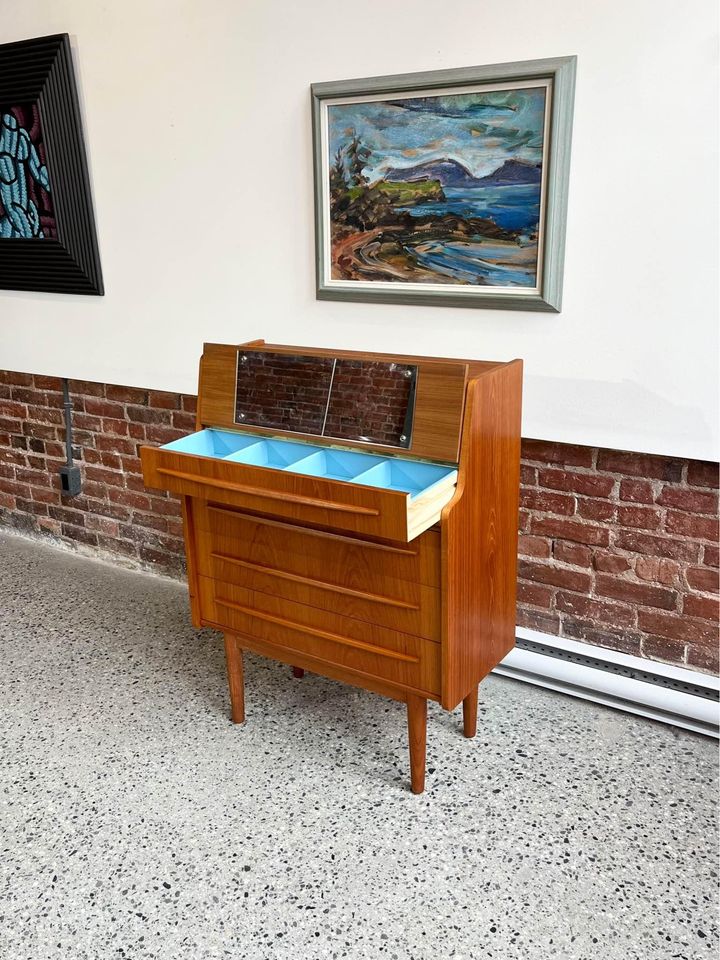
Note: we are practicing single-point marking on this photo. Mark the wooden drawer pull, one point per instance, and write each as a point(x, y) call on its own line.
point(313, 632)
point(309, 531)
point(269, 494)
point(322, 584)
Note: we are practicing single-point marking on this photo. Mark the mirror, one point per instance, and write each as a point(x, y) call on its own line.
point(283, 391)
point(371, 401)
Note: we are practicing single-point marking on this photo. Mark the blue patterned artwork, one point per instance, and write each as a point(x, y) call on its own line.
point(25, 193)
point(442, 189)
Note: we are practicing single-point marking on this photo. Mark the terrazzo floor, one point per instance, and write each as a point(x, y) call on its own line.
point(137, 822)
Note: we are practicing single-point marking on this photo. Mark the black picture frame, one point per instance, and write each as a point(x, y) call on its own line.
point(40, 71)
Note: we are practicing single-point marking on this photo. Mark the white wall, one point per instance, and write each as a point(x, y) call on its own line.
point(198, 128)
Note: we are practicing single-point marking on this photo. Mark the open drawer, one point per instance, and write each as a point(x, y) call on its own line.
point(393, 498)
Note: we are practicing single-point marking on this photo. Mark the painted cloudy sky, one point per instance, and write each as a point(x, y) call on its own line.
point(481, 130)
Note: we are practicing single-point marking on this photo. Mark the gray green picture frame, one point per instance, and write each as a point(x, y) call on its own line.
point(560, 72)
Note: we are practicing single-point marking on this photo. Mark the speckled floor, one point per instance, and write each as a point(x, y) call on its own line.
point(137, 822)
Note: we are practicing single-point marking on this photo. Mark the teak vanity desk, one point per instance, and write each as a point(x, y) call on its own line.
point(355, 515)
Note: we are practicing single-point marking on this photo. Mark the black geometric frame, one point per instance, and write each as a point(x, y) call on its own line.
point(41, 71)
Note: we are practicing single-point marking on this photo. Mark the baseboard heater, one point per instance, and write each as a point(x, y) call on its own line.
point(660, 691)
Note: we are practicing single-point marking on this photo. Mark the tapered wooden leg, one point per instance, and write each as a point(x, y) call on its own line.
point(417, 736)
point(236, 677)
point(298, 672)
point(470, 705)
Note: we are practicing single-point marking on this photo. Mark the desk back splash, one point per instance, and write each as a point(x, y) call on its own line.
point(408, 405)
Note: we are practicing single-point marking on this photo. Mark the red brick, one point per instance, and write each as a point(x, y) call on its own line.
point(677, 627)
point(540, 620)
point(704, 658)
point(570, 530)
point(610, 562)
point(184, 421)
point(137, 431)
point(12, 408)
point(80, 534)
point(10, 376)
point(102, 475)
point(707, 608)
point(587, 608)
point(7, 501)
point(102, 525)
point(541, 502)
point(657, 569)
point(128, 498)
point(547, 452)
point(67, 515)
point(47, 383)
point(118, 445)
point(702, 474)
point(126, 394)
point(659, 546)
point(86, 388)
point(157, 433)
point(639, 465)
point(689, 500)
point(637, 491)
point(625, 641)
point(635, 593)
point(9, 425)
point(711, 555)
point(189, 403)
point(100, 407)
point(556, 576)
point(31, 506)
point(661, 648)
point(45, 415)
point(148, 415)
point(533, 546)
point(52, 526)
point(575, 553)
point(160, 398)
point(116, 428)
point(691, 525)
point(602, 510)
point(524, 521)
point(703, 578)
point(588, 484)
point(645, 518)
point(528, 475)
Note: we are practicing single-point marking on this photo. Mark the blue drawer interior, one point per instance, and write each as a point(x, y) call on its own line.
point(391, 473)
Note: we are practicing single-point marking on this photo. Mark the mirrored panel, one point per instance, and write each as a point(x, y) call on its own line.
point(283, 391)
point(369, 401)
point(372, 401)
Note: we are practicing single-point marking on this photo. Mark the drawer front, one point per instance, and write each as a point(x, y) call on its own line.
point(362, 565)
point(372, 511)
point(365, 648)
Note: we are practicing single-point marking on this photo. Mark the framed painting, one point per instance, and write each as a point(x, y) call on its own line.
point(447, 187)
point(48, 240)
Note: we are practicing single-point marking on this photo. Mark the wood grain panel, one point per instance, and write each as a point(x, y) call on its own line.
point(439, 399)
point(479, 535)
point(360, 565)
point(398, 604)
point(352, 644)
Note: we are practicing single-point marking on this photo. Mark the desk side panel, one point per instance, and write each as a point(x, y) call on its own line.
point(480, 533)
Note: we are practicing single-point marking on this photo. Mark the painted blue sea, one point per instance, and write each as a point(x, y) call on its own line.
point(514, 207)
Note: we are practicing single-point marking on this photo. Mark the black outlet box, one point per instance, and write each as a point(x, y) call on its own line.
point(70, 481)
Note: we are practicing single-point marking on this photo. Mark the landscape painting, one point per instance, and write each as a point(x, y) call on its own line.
point(434, 191)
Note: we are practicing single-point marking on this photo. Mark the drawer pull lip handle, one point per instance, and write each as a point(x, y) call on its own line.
point(321, 584)
point(301, 628)
point(228, 511)
point(269, 494)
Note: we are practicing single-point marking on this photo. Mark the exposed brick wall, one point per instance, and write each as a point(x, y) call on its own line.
point(617, 549)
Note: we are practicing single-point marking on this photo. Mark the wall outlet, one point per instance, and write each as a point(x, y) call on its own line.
point(70, 481)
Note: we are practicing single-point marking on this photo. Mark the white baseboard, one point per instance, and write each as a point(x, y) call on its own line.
point(674, 695)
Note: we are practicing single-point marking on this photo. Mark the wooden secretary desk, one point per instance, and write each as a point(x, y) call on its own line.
point(355, 515)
